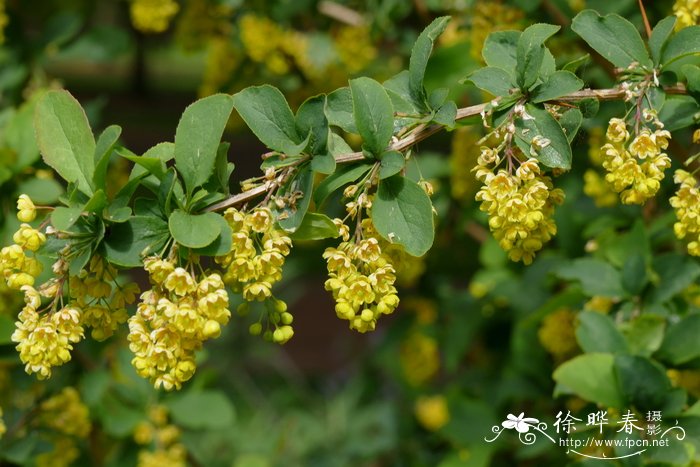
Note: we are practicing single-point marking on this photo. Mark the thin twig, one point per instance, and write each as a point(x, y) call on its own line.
point(647, 26)
point(341, 13)
point(423, 131)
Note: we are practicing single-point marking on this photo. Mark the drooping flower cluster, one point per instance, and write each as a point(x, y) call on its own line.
point(258, 253)
point(100, 298)
point(420, 358)
point(172, 321)
point(686, 204)
point(635, 168)
point(520, 205)
point(687, 12)
point(162, 437)
point(66, 420)
point(152, 16)
point(361, 279)
point(432, 412)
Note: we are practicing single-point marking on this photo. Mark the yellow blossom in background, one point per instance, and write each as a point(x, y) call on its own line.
point(686, 379)
point(686, 204)
point(599, 304)
point(4, 20)
point(152, 16)
point(420, 358)
point(463, 156)
point(161, 441)
point(432, 412)
point(687, 12)
point(3, 428)
point(489, 16)
point(424, 309)
point(557, 334)
point(355, 48)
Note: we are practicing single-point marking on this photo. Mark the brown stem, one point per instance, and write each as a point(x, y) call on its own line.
point(423, 131)
point(647, 26)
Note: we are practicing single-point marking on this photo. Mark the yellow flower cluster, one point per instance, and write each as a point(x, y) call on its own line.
point(419, 357)
point(45, 340)
point(201, 20)
point(686, 379)
point(355, 48)
point(490, 16)
point(222, 60)
point(557, 334)
point(599, 304)
point(19, 268)
point(172, 321)
point(69, 420)
point(100, 298)
point(152, 16)
point(687, 12)
point(432, 412)
point(259, 249)
point(520, 205)
point(686, 204)
point(10, 300)
point(266, 42)
point(635, 169)
point(164, 438)
point(594, 184)
point(361, 279)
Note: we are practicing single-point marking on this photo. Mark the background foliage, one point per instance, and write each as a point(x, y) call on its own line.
point(475, 336)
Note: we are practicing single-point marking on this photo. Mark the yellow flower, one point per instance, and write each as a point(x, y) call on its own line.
point(152, 16)
point(420, 358)
point(26, 209)
point(557, 334)
point(686, 204)
point(432, 412)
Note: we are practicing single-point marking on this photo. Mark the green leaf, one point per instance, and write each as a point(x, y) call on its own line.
point(681, 343)
point(63, 218)
point(222, 244)
point(446, 115)
point(153, 165)
point(194, 230)
point(530, 53)
point(570, 122)
point(97, 203)
point(662, 31)
point(501, 49)
point(613, 37)
point(420, 54)
point(402, 213)
point(126, 243)
point(676, 272)
point(634, 274)
point(119, 214)
point(65, 139)
point(162, 151)
point(311, 120)
point(266, 112)
point(560, 83)
point(392, 162)
point(339, 110)
point(19, 135)
point(223, 168)
point(596, 332)
point(589, 107)
point(596, 276)
point(103, 151)
point(493, 80)
point(576, 63)
point(644, 334)
point(399, 91)
point(41, 190)
point(291, 218)
point(315, 226)
point(679, 112)
point(685, 42)
point(323, 163)
point(374, 114)
point(338, 179)
point(197, 138)
point(643, 382)
point(557, 154)
point(592, 377)
point(202, 410)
